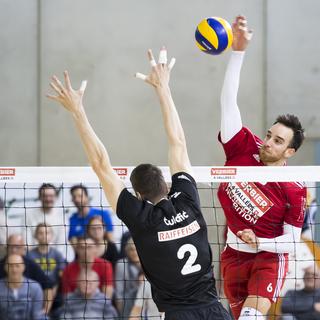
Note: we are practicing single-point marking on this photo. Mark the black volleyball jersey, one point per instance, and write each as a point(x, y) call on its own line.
point(172, 243)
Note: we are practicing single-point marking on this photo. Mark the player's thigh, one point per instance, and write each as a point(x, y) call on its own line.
point(235, 271)
point(268, 275)
point(213, 312)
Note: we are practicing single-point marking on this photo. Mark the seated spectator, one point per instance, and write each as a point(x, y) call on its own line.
point(144, 307)
point(50, 260)
point(309, 223)
point(79, 220)
point(3, 230)
point(304, 304)
point(88, 302)
point(105, 249)
point(16, 245)
point(49, 213)
point(126, 236)
point(20, 297)
point(127, 279)
point(87, 259)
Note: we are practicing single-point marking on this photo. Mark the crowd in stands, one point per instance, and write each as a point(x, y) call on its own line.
point(62, 267)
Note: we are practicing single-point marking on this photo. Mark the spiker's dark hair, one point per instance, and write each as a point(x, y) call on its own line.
point(292, 122)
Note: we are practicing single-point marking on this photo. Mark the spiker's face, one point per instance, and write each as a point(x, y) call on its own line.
point(276, 147)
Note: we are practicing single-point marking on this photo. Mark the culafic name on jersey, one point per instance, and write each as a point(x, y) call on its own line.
point(176, 219)
point(178, 233)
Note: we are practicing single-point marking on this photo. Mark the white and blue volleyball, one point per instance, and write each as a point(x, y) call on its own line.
point(214, 35)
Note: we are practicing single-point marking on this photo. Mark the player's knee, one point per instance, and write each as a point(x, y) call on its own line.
point(248, 313)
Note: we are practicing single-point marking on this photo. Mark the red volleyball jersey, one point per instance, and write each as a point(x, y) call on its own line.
point(264, 208)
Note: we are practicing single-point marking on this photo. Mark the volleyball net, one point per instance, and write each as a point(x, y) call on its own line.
point(24, 209)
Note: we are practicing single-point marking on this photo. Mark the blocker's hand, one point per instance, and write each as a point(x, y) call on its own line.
point(241, 34)
point(160, 72)
point(71, 99)
point(249, 237)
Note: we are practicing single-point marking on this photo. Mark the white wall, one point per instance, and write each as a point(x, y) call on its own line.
point(106, 42)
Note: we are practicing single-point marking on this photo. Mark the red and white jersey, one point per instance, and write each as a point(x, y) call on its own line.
point(264, 208)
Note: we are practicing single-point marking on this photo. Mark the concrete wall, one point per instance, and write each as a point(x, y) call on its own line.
point(106, 42)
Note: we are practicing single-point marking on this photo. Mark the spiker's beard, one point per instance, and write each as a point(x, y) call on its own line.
point(268, 157)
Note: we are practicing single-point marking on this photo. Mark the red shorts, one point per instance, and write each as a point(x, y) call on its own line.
point(258, 274)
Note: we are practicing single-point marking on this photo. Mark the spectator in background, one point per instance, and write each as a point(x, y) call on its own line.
point(50, 260)
point(304, 304)
point(144, 307)
point(309, 223)
point(87, 260)
point(88, 302)
point(3, 230)
point(20, 297)
point(16, 246)
point(126, 236)
point(79, 220)
point(127, 280)
point(50, 214)
point(106, 249)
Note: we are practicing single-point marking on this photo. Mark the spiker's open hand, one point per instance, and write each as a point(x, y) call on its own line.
point(241, 34)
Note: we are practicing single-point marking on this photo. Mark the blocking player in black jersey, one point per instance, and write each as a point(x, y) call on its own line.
point(167, 227)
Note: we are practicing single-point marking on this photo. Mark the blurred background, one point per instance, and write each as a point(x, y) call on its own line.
point(106, 41)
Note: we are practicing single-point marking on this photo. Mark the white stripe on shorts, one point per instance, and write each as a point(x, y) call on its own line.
point(281, 271)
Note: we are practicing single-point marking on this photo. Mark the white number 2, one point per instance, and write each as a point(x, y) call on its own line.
point(189, 266)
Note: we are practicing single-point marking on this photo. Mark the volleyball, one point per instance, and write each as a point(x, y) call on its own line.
point(214, 35)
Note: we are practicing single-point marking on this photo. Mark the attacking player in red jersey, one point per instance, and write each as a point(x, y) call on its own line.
point(264, 220)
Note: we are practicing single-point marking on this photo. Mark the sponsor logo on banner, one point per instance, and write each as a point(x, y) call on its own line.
point(121, 171)
point(179, 232)
point(7, 173)
point(223, 173)
point(248, 200)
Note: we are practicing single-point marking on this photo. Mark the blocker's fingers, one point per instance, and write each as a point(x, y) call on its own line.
point(172, 63)
point(83, 85)
point(151, 59)
point(67, 80)
point(56, 88)
point(141, 76)
point(163, 56)
point(58, 83)
point(52, 97)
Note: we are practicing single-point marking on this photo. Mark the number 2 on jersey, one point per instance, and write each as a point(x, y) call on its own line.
point(189, 266)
